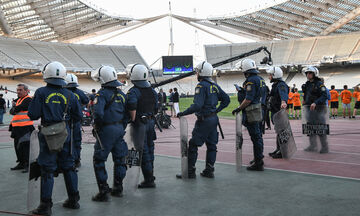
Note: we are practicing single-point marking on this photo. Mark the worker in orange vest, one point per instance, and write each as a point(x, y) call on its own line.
point(346, 100)
point(356, 96)
point(21, 127)
point(297, 103)
point(334, 102)
point(290, 104)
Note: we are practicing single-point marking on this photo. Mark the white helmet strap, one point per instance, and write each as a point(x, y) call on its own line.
point(133, 67)
point(202, 65)
point(100, 70)
point(46, 65)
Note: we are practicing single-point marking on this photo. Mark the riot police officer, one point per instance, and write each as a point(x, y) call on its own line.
point(49, 104)
point(253, 114)
point(315, 96)
point(72, 84)
point(278, 98)
point(110, 119)
point(142, 106)
point(207, 96)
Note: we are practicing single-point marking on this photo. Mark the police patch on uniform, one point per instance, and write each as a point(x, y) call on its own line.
point(323, 88)
point(197, 90)
point(95, 100)
point(248, 88)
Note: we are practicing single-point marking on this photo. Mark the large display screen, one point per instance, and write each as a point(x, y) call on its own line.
point(177, 64)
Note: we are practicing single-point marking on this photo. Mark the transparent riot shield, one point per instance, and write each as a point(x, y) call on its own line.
point(184, 147)
point(315, 127)
point(284, 134)
point(33, 196)
point(135, 138)
point(239, 141)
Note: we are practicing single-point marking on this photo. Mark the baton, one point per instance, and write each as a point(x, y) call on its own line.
point(98, 138)
point(221, 131)
point(72, 137)
point(157, 124)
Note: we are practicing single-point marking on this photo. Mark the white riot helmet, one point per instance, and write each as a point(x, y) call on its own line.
point(137, 72)
point(138, 75)
point(312, 69)
point(276, 72)
point(106, 75)
point(72, 81)
point(204, 69)
point(245, 65)
point(54, 73)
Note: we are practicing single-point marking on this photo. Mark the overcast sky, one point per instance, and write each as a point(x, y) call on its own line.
point(152, 40)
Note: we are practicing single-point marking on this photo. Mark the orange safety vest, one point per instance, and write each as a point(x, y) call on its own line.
point(21, 119)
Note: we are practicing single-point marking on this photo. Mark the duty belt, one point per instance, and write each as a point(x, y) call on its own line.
point(112, 123)
point(202, 117)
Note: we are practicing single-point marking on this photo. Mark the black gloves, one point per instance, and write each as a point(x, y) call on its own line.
point(35, 171)
point(180, 114)
point(235, 111)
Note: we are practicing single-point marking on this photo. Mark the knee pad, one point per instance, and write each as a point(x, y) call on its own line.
point(98, 165)
point(211, 148)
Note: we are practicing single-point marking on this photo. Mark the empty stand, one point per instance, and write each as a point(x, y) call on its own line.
point(26, 54)
point(344, 47)
point(22, 53)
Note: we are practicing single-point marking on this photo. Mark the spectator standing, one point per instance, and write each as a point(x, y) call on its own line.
point(346, 100)
point(334, 102)
point(176, 101)
point(2, 108)
point(91, 99)
point(171, 103)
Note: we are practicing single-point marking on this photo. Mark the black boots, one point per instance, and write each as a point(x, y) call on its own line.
point(72, 201)
point(277, 155)
point(44, 208)
point(149, 180)
point(273, 153)
point(19, 166)
point(258, 165)
point(117, 189)
point(208, 172)
point(191, 173)
point(103, 195)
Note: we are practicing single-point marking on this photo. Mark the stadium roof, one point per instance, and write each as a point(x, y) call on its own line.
point(69, 20)
point(293, 19)
point(59, 20)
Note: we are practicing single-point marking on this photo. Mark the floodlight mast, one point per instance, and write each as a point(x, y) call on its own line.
point(266, 60)
point(171, 45)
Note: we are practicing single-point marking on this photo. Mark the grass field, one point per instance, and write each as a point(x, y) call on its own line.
point(186, 102)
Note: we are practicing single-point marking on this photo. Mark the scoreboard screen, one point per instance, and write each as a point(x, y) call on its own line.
point(177, 64)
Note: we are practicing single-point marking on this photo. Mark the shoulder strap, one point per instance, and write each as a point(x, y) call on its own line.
point(67, 106)
point(112, 99)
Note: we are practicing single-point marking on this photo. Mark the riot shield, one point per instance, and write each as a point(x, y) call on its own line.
point(33, 196)
point(315, 126)
point(239, 141)
point(135, 138)
point(184, 147)
point(284, 133)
